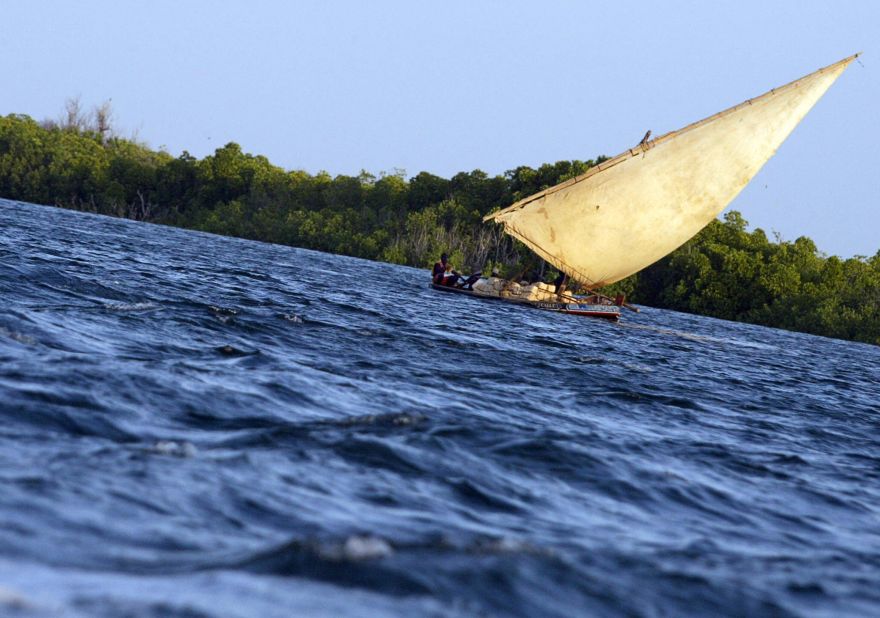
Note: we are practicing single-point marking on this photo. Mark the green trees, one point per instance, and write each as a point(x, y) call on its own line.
point(724, 271)
point(727, 272)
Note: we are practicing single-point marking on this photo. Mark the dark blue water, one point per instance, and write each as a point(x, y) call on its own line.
point(193, 425)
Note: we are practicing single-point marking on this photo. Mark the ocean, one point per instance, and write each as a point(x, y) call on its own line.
point(199, 426)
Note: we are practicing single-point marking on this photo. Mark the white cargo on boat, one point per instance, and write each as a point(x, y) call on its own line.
point(540, 292)
point(485, 287)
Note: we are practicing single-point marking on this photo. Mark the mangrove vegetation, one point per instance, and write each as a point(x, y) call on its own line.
point(725, 271)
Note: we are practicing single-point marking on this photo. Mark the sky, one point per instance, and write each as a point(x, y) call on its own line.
point(454, 86)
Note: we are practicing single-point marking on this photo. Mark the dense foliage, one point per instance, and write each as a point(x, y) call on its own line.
point(725, 271)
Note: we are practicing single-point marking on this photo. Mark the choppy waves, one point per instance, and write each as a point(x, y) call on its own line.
point(199, 426)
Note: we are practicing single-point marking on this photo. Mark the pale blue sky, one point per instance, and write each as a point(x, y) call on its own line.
point(453, 86)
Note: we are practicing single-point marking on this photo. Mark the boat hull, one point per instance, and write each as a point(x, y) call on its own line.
point(589, 310)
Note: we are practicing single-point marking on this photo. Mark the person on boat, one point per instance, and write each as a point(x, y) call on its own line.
point(450, 277)
point(561, 283)
point(443, 274)
point(440, 269)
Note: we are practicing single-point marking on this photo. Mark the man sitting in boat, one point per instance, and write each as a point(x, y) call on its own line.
point(444, 275)
point(440, 269)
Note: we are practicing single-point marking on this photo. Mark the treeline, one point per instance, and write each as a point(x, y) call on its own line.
point(730, 273)
point(725, 271)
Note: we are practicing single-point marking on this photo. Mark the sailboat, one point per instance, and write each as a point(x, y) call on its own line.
point(629, 211)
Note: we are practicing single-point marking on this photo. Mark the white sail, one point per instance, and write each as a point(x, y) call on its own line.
point(632, 210)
